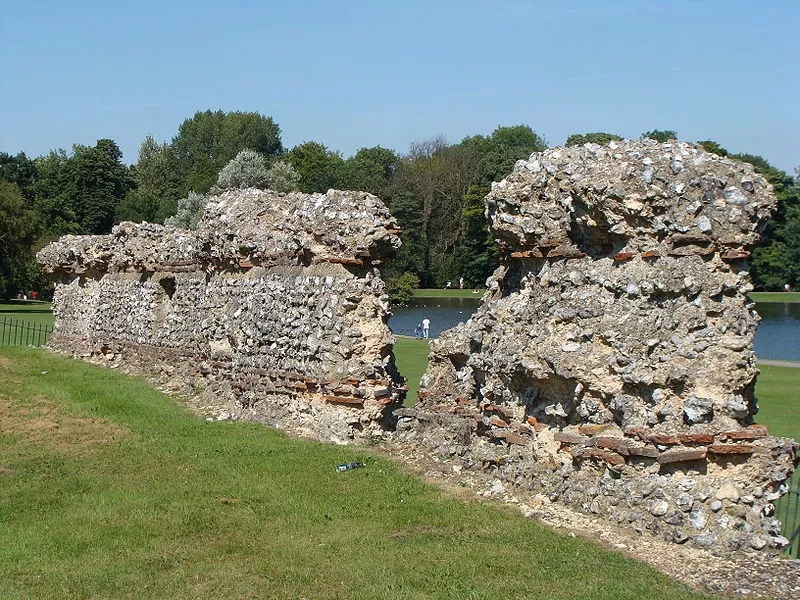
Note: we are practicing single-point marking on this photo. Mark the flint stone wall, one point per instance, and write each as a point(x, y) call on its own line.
point(274, 303)
point(610, 365)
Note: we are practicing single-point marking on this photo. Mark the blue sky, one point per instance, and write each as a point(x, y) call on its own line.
point(356, 74)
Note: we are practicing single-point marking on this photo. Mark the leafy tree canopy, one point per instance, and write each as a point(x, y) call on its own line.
point(190, 209)
point(369, 170)
point(400, 289)
point(776, 260)
point(140, 206)
point(319, 168)
point(661, 135)
point(18, 230)
point(20, 170)
point(499, 151)
point(79, 193)
point(479, 253)
point(713, 147)
point(209, 140)
point(282, 177)
point(247, 169)
point(598, 137)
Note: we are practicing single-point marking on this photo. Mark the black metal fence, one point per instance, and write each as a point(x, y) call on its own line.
point(18, 332)
point(788, 511)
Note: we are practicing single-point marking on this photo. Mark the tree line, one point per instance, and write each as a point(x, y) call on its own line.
point(435, 191)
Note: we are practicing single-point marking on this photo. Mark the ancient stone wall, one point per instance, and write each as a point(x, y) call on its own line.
point(273, 305)
point(610, 365)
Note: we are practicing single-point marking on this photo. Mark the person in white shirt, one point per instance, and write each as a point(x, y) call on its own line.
point(426, 326)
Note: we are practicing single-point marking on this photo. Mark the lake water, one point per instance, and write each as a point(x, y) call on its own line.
point(778, 334)
point(444, 313)
point(777, 338)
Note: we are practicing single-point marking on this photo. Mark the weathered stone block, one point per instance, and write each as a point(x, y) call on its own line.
point(621, 305)
point(273, 301)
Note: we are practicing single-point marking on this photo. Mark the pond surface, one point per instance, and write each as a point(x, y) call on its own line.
point(778, 334)
point(444, 313)
point(777, 338)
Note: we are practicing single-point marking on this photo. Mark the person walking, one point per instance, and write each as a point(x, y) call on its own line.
point(426, 327)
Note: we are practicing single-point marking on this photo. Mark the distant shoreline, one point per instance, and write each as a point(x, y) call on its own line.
point(778, 363)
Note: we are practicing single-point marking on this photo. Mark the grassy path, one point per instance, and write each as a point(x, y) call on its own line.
point(110, 490)
point(775, 296)
point(778, 363)
point(39, 313)
point(440, 293)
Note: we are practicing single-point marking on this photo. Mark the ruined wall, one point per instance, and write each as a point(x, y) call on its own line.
point(273, 305)
point(610, 366)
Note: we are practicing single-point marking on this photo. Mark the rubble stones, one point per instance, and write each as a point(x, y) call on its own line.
point(618, 323)
point(273, 306)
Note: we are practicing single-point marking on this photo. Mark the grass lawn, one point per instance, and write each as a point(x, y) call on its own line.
point(23, 323)
point(778, 392)
point(440, 293)
point(775, 296)
point(30, 311)
point(411, 356)
point(111, 490)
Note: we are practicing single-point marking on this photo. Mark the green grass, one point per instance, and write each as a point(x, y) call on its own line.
point(30, 312)
point(411, 356)
point(110, 490)
point(23, 323)
point(440, 293)
point(775, 296)
point(778, 393)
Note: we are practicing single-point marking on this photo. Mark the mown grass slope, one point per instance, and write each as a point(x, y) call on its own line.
point(111, 490)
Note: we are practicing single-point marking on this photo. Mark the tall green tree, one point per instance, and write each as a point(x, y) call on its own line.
point(80, 193)
point(157, 185)
point(320, 169)
point(436, 176)
point(369, 170)
point(776, 259)
point(713, 147)
point(478, 251)
point(20, 170)
point(597, 137)
point(51, 199)
point(209, 140)
point(443, 186)
point(18, 230)
point(411, 256)
point(98, 181)
point(499, 151)
point(245, 170)
point(661, 135)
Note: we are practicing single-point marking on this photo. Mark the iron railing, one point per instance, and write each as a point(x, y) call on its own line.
point(787, 510)
point(18, 332)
